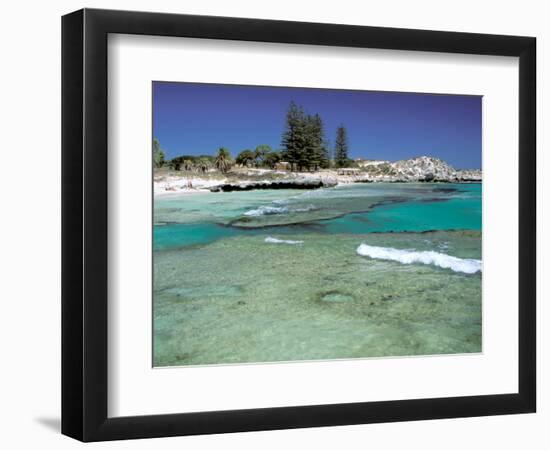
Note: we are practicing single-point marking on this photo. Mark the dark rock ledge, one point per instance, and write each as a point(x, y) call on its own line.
point(283, 184)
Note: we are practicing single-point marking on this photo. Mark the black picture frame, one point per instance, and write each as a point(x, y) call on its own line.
point(84, 224)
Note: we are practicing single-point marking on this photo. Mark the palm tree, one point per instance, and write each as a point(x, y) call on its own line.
point(187, 164)
point(223, 160)
point(202, 165)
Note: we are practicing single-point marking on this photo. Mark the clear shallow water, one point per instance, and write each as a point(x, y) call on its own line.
point(277, 276)
point(359, 208)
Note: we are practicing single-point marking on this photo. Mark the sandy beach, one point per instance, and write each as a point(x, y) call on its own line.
point(183, 185)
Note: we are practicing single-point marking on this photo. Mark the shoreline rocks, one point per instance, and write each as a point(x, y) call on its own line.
point(276, 184)
point(421, 169)
point(424, 169)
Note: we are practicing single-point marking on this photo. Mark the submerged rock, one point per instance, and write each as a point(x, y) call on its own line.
point(304, 183)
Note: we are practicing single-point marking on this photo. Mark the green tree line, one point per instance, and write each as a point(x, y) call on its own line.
point(262, 156)
point(305, 147)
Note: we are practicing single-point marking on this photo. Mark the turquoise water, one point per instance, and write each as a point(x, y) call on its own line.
point(455, 213)
point(354, 271)
point(202, 219)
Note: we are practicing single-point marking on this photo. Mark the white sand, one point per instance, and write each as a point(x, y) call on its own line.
point(174, 185)
point(179, 185)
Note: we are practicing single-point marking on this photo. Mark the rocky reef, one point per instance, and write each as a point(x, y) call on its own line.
point(296, 183)
point(423, 168)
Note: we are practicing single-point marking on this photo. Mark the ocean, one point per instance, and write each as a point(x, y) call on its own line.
point(355, 271)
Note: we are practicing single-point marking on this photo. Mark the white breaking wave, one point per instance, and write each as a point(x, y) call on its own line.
point(272, 240)
point(427, 257)
point(266, 210)
point(272, 210)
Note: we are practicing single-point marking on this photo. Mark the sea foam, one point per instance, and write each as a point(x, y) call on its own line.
point(426, 257)
point(272, 240)
point(305, 209)
point(272, 210)
point(266, 210)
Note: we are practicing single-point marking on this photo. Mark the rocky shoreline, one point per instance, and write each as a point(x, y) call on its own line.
point(423, 168)
point(417, 170)
point(305, 183)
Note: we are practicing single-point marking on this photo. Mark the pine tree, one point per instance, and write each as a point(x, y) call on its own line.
point(341, 147)
point(321, 148)
point(295, 137)
point(308, 155)
point(315, 154)
point(304, 143)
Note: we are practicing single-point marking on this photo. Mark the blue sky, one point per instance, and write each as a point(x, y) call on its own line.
point(194, 119)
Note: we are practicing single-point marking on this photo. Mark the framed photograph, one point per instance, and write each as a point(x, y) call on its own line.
point(273, 224)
